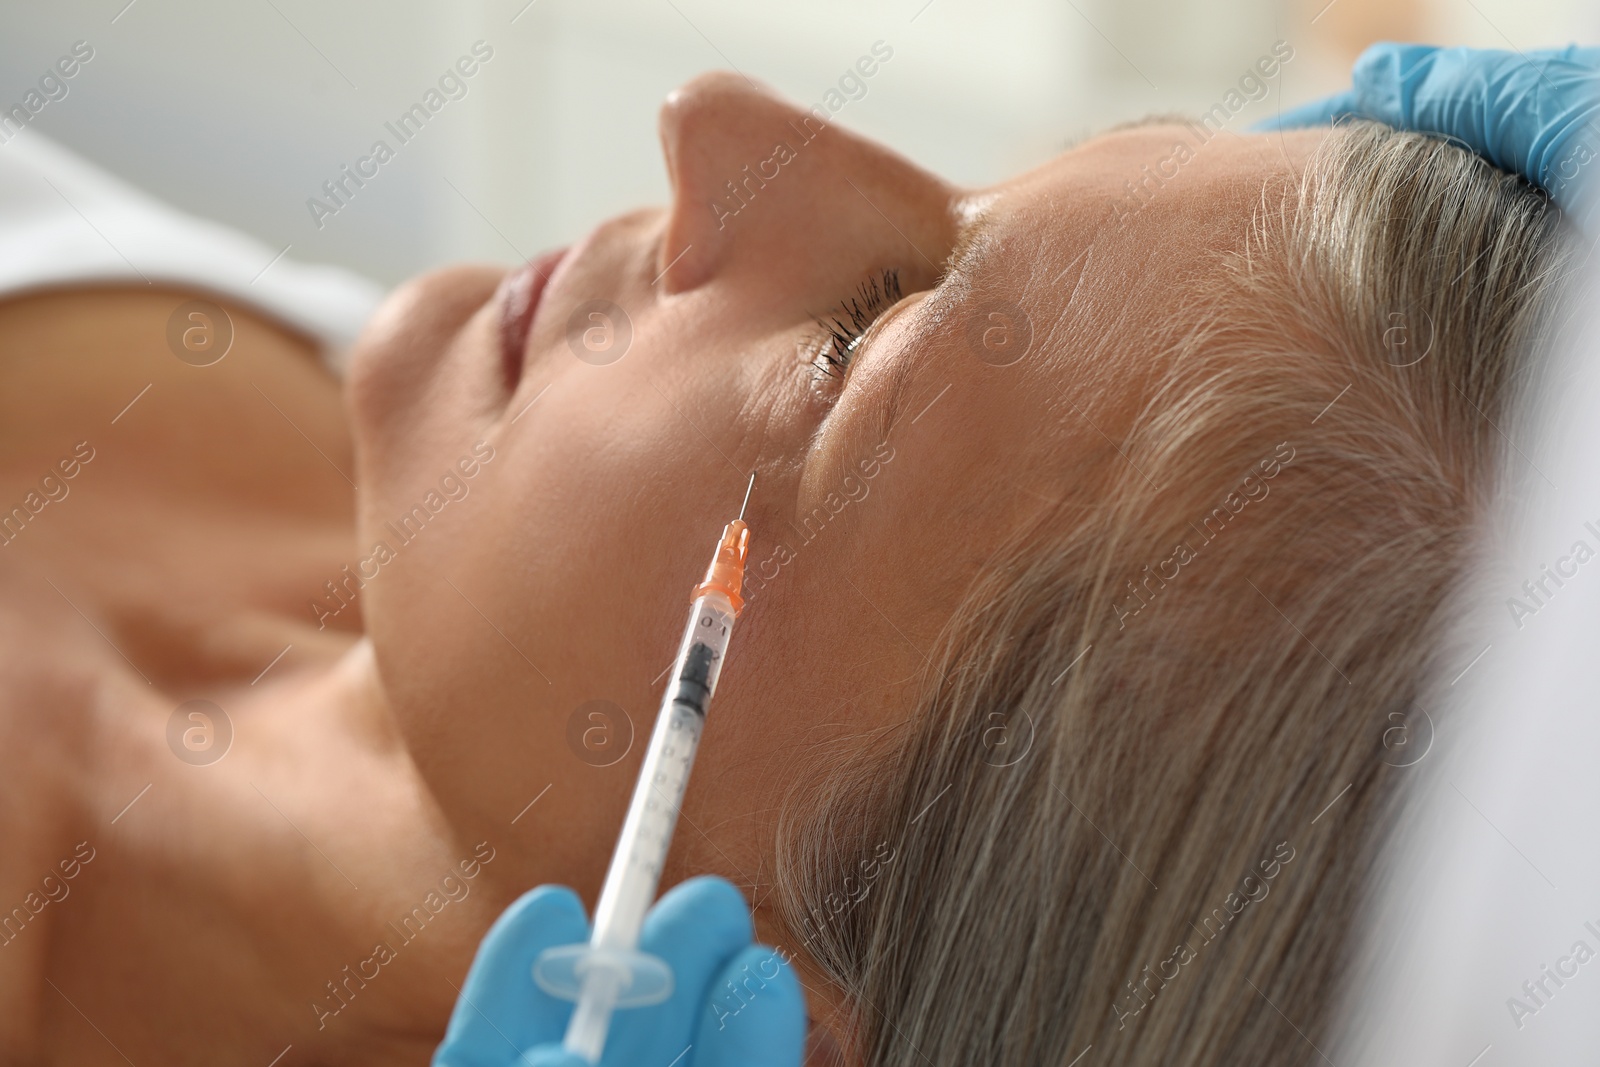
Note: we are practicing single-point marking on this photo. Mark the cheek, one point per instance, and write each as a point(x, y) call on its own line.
point(814, 676)
point(560, 580)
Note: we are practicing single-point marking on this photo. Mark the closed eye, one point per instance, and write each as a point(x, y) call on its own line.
point(840, 332)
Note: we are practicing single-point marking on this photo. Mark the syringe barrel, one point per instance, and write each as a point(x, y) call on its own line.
point(635, 872)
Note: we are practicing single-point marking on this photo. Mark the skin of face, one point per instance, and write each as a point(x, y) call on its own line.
point(562, 578)
point(565, 517)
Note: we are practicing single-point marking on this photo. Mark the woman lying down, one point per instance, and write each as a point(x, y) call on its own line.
point(1097, 535)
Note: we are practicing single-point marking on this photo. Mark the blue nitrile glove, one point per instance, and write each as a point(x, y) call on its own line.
point(734, 1003)
point(1536, 114)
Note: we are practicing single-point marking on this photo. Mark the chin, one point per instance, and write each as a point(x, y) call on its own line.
point(398, 353)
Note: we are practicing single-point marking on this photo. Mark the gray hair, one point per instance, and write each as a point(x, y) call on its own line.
point(1225, 742)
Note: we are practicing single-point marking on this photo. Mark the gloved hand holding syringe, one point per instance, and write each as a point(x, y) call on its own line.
point(609, 971)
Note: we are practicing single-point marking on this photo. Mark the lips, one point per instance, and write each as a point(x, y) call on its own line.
point(519, 296)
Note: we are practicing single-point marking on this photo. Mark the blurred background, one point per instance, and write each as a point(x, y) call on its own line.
point(241, 111)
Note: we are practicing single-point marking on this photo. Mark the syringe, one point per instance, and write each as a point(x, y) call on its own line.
point(609, 971)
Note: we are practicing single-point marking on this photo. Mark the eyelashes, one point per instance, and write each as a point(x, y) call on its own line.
point(849, 320)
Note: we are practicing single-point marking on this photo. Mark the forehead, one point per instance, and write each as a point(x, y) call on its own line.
point(1113, 225)
point(1101, 235)
point(1063, 283)
point(1157, 190)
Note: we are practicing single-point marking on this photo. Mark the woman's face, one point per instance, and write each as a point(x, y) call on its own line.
point(554, 563)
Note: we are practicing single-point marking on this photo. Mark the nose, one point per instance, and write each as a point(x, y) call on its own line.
point(759, 183)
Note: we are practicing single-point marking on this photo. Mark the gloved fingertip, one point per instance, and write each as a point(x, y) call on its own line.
point(1320, 112)
point(1380, 52)
point(499, 1002)
point(541, 917)
point(756, 1014)
point(545, 901)
point(709, 906)
point(707, 885)
point(552, 1056)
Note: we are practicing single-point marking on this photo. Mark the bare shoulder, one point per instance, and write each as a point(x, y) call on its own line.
point(192, 508)
point(113, 368)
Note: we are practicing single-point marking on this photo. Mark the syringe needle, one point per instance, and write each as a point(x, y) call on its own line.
point(747, 489)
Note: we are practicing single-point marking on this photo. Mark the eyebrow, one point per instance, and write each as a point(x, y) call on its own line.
point(1169, 118)
point(970, 237)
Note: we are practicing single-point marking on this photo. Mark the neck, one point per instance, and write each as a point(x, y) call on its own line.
point(303, 888)
point(232, 907)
